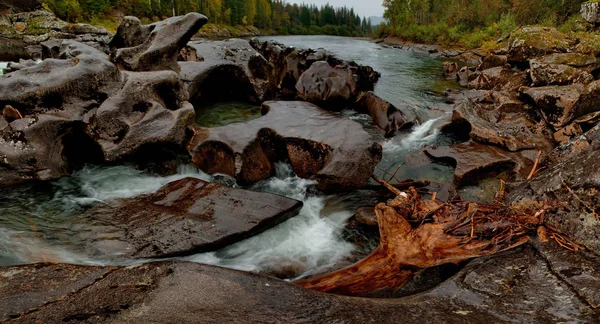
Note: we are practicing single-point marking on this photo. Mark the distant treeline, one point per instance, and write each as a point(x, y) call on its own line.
point(275, 15)
point(472, 22)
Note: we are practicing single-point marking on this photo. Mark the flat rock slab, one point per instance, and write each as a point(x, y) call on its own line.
point(184, 217)
point(474, 161)
point(515, 287)
point(336, 151)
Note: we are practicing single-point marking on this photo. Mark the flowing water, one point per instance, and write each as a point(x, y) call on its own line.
point(36, 220)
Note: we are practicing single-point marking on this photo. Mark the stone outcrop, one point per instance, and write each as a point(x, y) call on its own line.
point(334, 150)
point(184, 217)
point(498, 78)
point(327, 87)
point(521, 285)
point(154, 47)
point(20, 5)
point(385, 115)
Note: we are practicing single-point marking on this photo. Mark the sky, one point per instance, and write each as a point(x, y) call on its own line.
point(365, 8)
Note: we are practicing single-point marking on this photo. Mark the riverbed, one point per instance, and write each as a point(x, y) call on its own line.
point(37, 220)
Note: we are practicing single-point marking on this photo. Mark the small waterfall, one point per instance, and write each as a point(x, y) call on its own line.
point(420, 136)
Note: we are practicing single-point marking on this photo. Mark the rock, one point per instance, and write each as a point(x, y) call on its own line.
point(499, 78)
point(518, 286)
point(590, 11)
point(229, 70)
point(70, 85)
point(148, 113)
point(366, 216)
point(10, 114)
point(492, 61)
point(474, 161)
point(529, 42)
point(20, 5)
point(577, 145)
point(385, 115)
point(465, 75)
point(156, 46)
point(450, 69)
point(26, 153)
point(12, 49)
point(67, 49)
point(562, 68)
point(574, 184)
point(290, 63)
point(513, 131)
point(184, 217)
point(334, 150)
point(327, 87)
point(560, 105)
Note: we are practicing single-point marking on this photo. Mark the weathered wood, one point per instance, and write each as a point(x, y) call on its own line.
point(444, 233)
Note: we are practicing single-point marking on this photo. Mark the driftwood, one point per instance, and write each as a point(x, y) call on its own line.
point(418, 234)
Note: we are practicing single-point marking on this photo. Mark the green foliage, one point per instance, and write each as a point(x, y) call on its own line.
point(474, 23)
point(275, 15)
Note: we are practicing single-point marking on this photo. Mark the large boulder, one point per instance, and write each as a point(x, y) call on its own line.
point(533, 41)
point(149, 112)
point(385, 115)
point(184, 217)
point(518, 286)
point(156, 46)
point(513, 131)
point(227, 70)
point(560, 105)
point(590, 11)
point(327, 87)
point(334, 150)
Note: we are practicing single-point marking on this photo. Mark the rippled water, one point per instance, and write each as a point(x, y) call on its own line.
point(36, 220)
point(2, 67)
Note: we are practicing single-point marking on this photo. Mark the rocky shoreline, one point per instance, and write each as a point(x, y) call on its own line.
point(131, 98)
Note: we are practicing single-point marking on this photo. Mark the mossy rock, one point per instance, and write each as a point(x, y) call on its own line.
point(533, 41)
point(9, 32)
point(589, 43)
point(44, 24)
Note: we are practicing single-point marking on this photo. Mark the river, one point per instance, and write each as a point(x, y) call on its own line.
point(36, 220)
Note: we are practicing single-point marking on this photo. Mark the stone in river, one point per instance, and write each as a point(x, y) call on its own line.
point(334, 150)
point(184, 217)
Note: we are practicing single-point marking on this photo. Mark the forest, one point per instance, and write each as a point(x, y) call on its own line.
point(474, 22)
point(275, 16)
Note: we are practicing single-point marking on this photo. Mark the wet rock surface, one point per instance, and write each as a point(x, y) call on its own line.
point(327, 87)
point(184, 217)
point(385, 115)
point(521, 285)
point(474, 161)
point(334, 150)
point(573, 183)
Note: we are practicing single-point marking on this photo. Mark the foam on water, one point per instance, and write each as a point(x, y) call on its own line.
point(2, 67)
point(308, 242)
